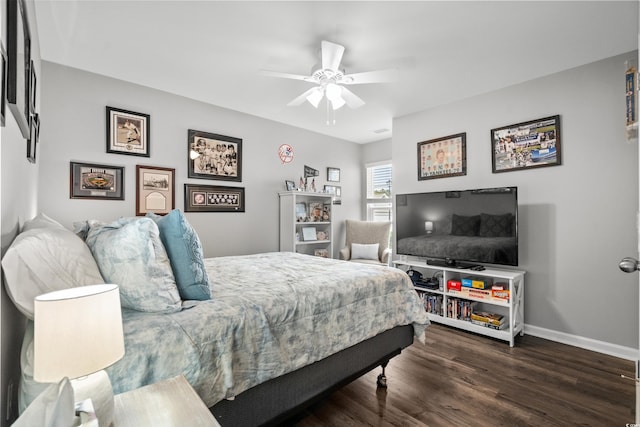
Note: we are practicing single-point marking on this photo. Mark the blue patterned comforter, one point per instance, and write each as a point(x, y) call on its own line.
point(270, 314)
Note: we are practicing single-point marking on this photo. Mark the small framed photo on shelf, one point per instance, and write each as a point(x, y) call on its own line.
point(155, 190)
point(442, 157)
point(213, 198)
point(290, 185)
point(526, 145)
point(301, 212)
point(92, 181)
point(128, 132)
point(309, 234)
point(333, 174)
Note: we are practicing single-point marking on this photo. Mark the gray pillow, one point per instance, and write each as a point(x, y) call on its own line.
point(465, 225)
point(496, 225)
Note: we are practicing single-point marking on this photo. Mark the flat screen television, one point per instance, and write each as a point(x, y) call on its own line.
point(459, 228)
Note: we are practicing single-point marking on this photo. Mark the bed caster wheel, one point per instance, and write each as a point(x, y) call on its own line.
point(382, 381)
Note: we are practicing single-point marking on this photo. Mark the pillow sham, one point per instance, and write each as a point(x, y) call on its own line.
point(496, 225)
point(465, 225)
point(361, 251)
point(129, 253)
point(185, 255)
point(46, 257)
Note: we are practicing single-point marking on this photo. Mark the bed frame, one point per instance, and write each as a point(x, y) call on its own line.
point(282, 398)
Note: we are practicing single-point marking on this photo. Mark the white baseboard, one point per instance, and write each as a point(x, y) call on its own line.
point(616, 350)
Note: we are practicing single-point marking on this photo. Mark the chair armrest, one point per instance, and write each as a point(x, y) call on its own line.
point(345, 254)
point(385, 256)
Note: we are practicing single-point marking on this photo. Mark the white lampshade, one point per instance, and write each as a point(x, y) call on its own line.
point(428, 226)
point(77, 332)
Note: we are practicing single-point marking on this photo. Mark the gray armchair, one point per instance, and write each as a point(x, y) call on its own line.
point(365, 234)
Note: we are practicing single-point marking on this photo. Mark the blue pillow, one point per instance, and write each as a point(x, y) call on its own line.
point(129, 253)
point(185, 254)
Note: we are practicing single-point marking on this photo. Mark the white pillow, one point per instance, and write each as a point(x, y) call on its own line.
point(360, 251)
point(46, 258)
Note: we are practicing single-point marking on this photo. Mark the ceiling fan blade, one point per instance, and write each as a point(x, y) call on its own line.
point(352, 100)
point(331, 55)
point(285, 75)
point(299, 100)
point(380, 76)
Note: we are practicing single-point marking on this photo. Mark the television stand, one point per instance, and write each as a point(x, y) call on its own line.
point(452, 263)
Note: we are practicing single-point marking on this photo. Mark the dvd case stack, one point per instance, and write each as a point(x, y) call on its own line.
point(460, 309)
point(432, 303)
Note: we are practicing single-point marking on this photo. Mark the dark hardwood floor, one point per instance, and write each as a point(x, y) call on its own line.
point(463, 379)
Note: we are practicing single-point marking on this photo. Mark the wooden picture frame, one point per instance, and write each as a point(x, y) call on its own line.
point(526, 145)
point(155, 190)
point(213, 198)
point(128, 132)
point(18, 64)
point(94, 181)
point(442, 157)
point(333, 174)
point(213, 156)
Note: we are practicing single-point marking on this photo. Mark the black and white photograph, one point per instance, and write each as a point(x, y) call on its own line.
point(212, 198)
point(155, 190)
point(128, 132)
point(213, 156)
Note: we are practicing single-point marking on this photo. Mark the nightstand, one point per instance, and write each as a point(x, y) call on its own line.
point(170, 403)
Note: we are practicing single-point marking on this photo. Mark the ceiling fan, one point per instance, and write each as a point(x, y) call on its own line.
point(330, 79)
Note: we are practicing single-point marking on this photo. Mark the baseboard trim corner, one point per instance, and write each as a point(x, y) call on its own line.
point(615, 350)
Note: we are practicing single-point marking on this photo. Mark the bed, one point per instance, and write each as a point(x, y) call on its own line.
point(277, 331)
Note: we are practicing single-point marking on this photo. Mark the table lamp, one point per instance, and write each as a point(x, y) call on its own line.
point(78, 333)
point(428, 227)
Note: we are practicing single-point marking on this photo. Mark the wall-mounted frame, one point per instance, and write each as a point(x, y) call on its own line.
point(34, 135)
point(333, 174)
point(155, 190)
point(33, 84)
point(526, 145)
point(212, 156)
point(93, 181)
point(213, 198)
point(128, 132)
point(310, 172)
point(18, 64)
point(3, 85)
point(442, 157)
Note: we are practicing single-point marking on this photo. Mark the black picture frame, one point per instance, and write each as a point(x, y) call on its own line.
point(213, 156)
point(527, 145)
point(289, 185)
point(18, 64)
point(94, 181)
point(34, 135)
point(128, 132)
point(333, 174)
point(442, 157)
point(213, 198)
point(3, 86)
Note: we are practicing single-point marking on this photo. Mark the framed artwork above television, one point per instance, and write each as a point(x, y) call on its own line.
point(442, 157)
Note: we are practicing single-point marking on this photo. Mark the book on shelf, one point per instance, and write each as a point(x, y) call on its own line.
point(488, 318)
point(489, 325)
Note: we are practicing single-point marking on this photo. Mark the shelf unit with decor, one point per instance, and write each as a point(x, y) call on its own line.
point(453, 307)
point(306, 223)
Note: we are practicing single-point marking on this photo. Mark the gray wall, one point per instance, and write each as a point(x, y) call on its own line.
point(73, 128)
point(18, 202)
point(577, 220)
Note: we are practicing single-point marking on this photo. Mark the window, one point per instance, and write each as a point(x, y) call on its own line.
point(379, 202)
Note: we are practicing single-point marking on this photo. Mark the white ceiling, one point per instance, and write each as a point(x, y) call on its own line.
point(444, 51)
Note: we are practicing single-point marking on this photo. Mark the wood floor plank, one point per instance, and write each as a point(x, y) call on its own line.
point(460, 378)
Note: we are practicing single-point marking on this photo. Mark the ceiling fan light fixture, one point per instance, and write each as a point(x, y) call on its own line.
point(315, 97)
point(333, 92)
point(337, 103)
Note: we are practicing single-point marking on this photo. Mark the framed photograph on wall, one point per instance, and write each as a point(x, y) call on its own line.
point(213, 156)
point(92, 181)
point(3, 86)
point(333, 174)
point(155, 190)
point(526, 145)
point(34, 134)
point(442, 157)
point(18, 64)
point(128, 132)
point(213, 198)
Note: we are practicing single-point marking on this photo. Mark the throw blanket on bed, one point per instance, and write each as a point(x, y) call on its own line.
point(269, 314)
